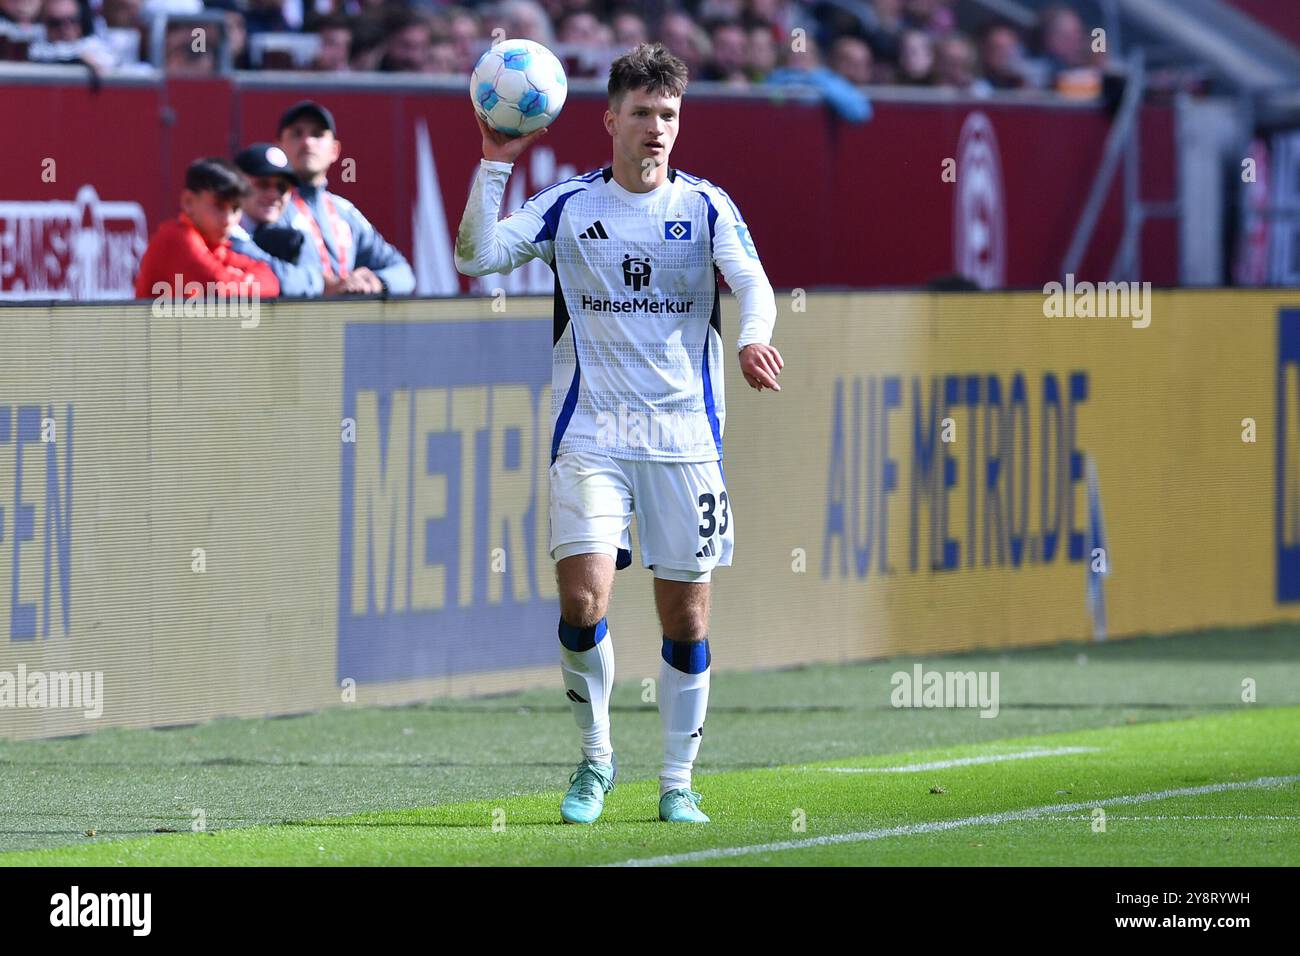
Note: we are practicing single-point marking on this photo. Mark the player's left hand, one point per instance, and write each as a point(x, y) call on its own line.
point(761, 364)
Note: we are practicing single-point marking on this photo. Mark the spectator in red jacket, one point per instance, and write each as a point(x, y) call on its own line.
point(191, 255)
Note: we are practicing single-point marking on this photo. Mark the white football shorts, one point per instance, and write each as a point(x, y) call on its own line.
point(684, 518)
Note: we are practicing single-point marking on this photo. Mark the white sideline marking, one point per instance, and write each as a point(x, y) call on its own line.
point(938, 826)
point(1187, 816)
point(962, 761)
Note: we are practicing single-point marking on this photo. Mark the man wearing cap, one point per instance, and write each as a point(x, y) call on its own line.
point(286, 249)
point(353, 256)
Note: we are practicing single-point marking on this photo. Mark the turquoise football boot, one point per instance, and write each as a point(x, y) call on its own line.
point(587, 788)
point(681, 806)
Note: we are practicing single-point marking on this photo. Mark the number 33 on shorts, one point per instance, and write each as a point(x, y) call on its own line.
point(683, 514)
point(712, 534)
point(715, 521)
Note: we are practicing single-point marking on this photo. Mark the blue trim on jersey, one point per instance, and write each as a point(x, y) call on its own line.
point(584, 178)
point(709, 410)
point(713, 214)
point(551, 221)
point(570, 398)
point(698, 181)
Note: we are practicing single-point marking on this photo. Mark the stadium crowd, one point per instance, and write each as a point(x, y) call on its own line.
point(741, 43)
point(268, 224)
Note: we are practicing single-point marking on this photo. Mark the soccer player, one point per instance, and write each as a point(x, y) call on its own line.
point(637, 405)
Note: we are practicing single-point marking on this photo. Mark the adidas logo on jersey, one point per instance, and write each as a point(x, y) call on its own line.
point(708, 551)
point(594, 231)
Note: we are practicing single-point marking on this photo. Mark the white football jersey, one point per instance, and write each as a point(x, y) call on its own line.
point(637, 348)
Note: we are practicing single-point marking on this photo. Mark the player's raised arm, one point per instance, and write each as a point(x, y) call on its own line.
point(735, 255)
point(483, 244)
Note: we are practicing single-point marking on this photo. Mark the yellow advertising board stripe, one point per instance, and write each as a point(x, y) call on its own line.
point(340, 504)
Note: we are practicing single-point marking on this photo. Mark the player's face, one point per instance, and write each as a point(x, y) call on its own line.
point(311, 148)
point(270, 193)
point(215, 218)
point(645, 128)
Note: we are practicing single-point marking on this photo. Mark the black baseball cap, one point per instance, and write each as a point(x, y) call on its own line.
point(265, 159)
point(307, 108)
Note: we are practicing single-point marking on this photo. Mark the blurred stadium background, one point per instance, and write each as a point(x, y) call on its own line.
point(1106, 138)
point(914, 173)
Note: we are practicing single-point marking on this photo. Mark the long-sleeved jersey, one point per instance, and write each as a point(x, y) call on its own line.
point(637, 353)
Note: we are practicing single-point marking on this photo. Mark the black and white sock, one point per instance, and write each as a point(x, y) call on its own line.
point(683, 700)
point(587, 661)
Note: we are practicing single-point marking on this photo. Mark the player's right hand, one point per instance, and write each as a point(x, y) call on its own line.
point(500, 148)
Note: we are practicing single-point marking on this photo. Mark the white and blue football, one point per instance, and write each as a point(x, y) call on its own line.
point(518, 86)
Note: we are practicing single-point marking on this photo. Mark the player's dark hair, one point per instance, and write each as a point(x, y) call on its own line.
point(214, 174)
point(650, 67)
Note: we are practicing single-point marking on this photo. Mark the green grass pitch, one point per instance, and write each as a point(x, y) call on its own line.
point(1136, 752)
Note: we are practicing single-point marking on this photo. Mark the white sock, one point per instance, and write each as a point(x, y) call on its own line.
point(588, 680)
point(683, 701)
